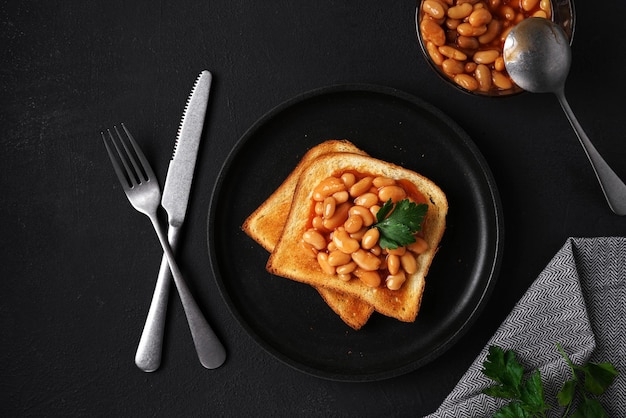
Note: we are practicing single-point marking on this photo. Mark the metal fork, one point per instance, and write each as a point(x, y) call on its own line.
point(143, 192)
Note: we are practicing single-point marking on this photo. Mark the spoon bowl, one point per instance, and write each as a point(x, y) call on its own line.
point(537, 56)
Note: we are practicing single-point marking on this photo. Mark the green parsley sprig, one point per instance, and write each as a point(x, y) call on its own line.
point(527, 396)
point(398, 224)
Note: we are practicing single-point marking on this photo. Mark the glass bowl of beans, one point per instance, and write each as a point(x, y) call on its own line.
point(462, 40)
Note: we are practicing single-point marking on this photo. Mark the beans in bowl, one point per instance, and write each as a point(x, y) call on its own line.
point(464, 39)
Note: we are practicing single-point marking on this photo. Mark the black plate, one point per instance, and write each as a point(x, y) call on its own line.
point(289, 319)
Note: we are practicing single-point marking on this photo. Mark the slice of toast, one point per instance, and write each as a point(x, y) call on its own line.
point(287, 261)
point(265, 225)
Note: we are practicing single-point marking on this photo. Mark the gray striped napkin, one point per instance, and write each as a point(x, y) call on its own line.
point(579, 301)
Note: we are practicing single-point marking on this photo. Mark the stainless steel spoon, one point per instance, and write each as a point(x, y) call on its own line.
point(537, 56)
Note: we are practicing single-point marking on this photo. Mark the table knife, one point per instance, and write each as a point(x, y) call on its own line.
point(175, 200)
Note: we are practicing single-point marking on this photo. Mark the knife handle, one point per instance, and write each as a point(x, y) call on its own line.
point(148, 356)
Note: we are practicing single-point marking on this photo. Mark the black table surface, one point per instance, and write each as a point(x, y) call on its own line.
point(79, 264)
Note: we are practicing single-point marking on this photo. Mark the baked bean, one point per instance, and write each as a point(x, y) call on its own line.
point(344, 277)
point(319, 208)
point(383, 181)
point(479, 17)
point(452, 24)
point(466, 81)
point(370, 278)
point(507, 12)
point(486, 57)
point(433, 51)
point(341, 197)
point(353, 224)
point(419, 246)
point(396, 251)
point(395, 193)
point(470, 67)
point(366, 260)
point(501, 81)
point(460, 12)
point(339, 217)
point(315, 239)
point(374, 210)
point(468, 42)
point(358, 235)
point(452, 66)
point(364, 213)
point(434, 9)
point(377, 250)
point(344, 242)
point(452, 52)
point(466, 29)
point(348, 179)
point(370, 238)
point(393, 264)
point(318, 223)
point(329, 207)
point(433, 32)
point(483, 76)
point(498, 65)
point(327, 187)
point(395, 281)
point(366, 200)
point(322, 260)
point(528, 5)
point(338, 258)
point(408, 262)
point(346, 268)
point(361, 186)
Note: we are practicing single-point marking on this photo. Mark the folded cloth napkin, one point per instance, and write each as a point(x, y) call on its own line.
point(578, 301)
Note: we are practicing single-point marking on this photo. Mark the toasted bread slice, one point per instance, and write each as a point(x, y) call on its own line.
point(265, 226)
point(287, 261)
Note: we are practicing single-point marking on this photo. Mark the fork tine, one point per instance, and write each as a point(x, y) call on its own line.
point(129, 161)
point(146, 169)
point(122, 173)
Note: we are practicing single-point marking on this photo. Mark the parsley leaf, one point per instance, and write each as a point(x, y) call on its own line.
point(527, 396)
point(512, 410)
point(532, 394)
point(397, 225)
point(598, 377)
point(503, 367)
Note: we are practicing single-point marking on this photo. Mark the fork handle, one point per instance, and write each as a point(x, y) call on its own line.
point(210, 350)
point(148, 356)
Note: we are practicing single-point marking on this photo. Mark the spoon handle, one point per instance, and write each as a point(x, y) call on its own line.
point(612, 186)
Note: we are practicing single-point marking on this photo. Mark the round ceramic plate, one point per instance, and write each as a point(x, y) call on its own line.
point(289, 319)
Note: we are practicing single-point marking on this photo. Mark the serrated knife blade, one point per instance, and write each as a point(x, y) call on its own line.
point(175, 201)
point(181, 168)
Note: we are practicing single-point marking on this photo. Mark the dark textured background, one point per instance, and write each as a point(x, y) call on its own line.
point(78, 264)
